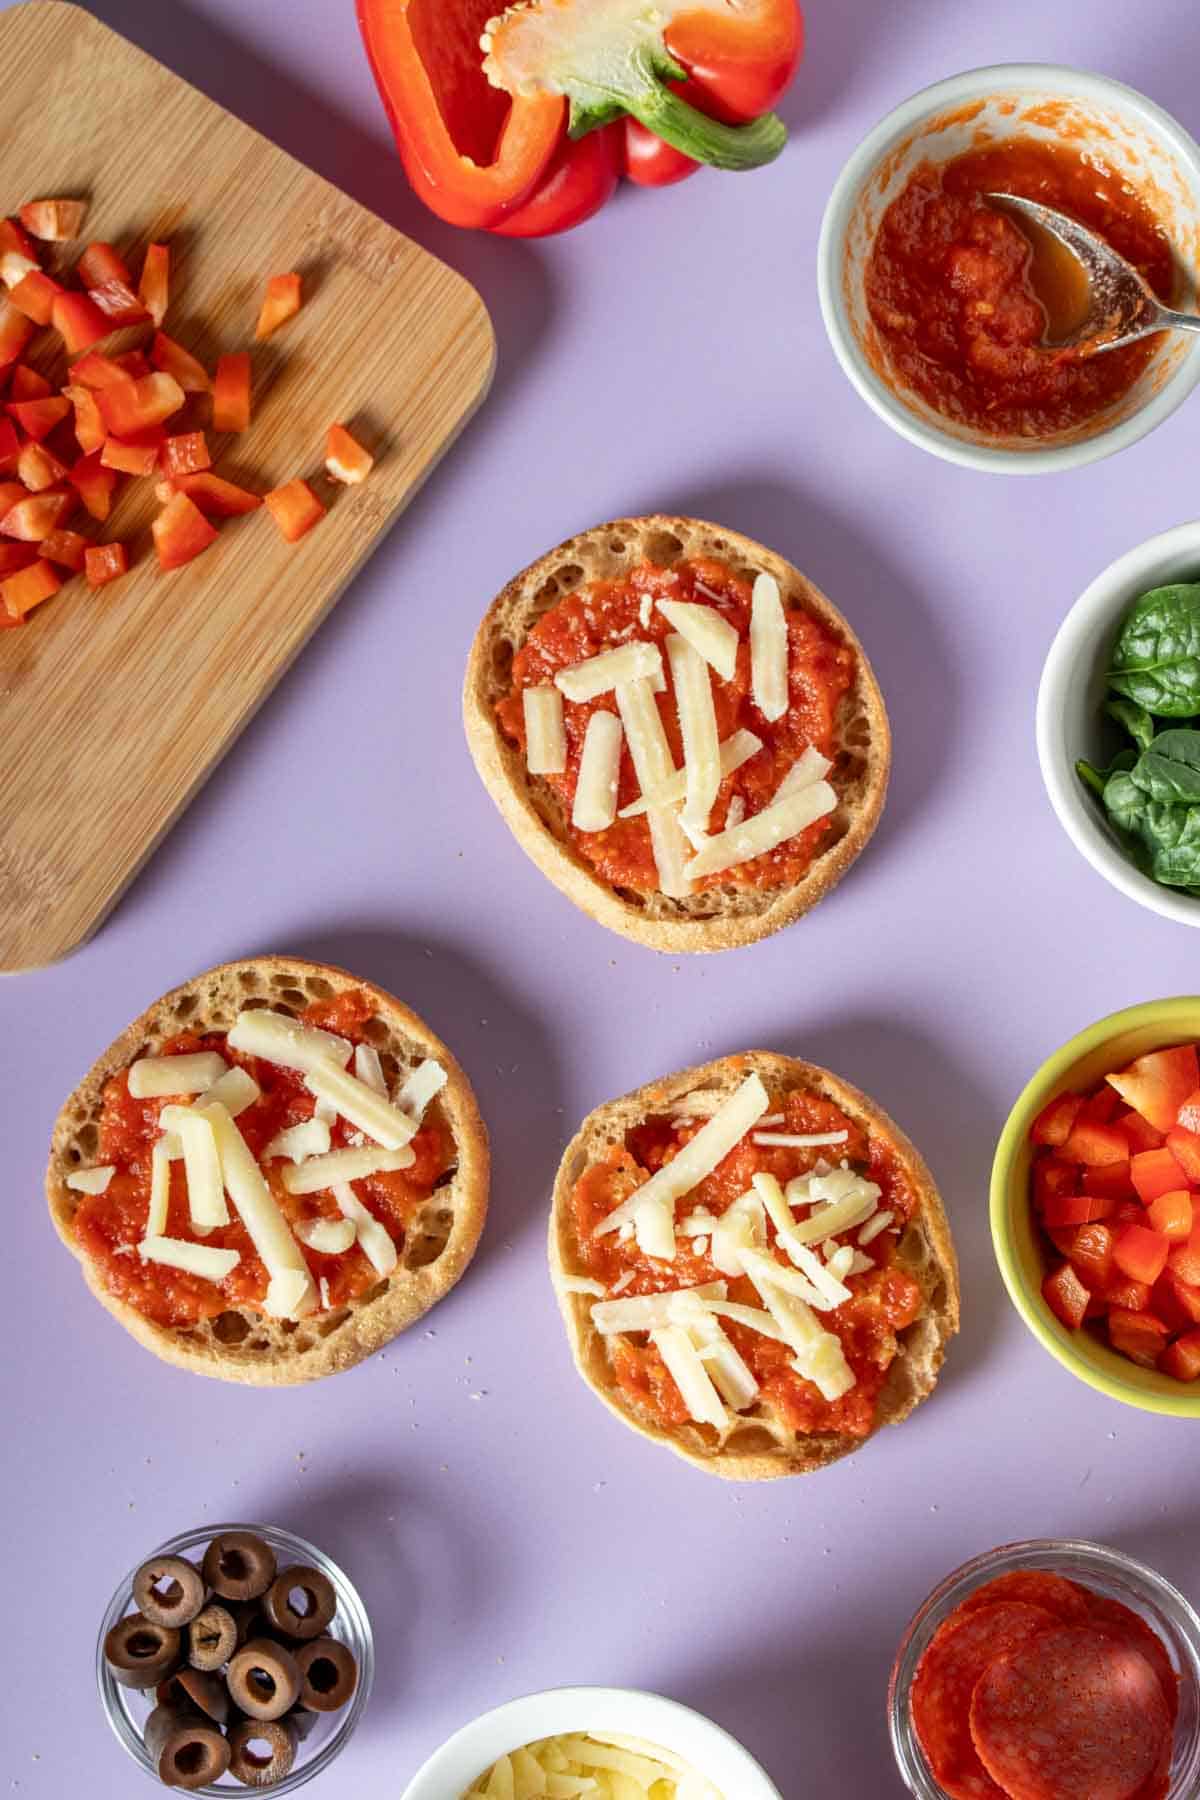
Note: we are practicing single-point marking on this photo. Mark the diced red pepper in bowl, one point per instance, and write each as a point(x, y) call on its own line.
point(105, 563)
point(1157, 1085)
point(1155, 1172)
point(1095, 1143)
point(1141, 1135)
point(1091, 1255)
point(1184, 1145)
point(1053, 1178)
point(10, 447)
point(295, 509)
point(1075, 1209)
point(181, 533)
point(1182, 1358)
point(1173, 1214)
point(232, 392)
point(1066, 1296)
point(1184, 1259)
point(1053, 1124)
point(1112, 1182)
point(1138, 1335)
point(1141, 1253)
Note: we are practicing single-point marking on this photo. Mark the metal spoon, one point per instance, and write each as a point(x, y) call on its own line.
point(1123, 307)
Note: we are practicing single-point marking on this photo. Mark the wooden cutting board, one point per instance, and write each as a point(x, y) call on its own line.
point(115, 707)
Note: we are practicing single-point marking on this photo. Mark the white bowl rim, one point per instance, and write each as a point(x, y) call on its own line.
point(1071, 642)
point(450, 1771)
point(899, 123)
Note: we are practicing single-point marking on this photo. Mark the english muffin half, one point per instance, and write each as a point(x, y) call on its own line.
point(753, 1264)
point(275, 1170)
point(680, 729)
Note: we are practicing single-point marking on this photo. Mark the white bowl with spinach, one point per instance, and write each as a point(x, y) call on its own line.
point(1119, 724)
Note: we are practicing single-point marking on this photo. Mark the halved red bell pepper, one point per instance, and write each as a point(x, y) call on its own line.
point(181, 533)
point(38, 418)
point(39, 468)
point(67, 549)
point(79, 322)
point(95, 484)
point(104, 563)
point(232, 392)
point(35, 296)
point(34, 518)
point(581, 177)
point(1158, 1084)
point(186, 455)
point(180, 364)
point(295, 509)
point(131, 408)
point(22, 592)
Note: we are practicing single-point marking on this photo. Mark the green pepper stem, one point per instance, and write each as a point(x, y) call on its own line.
point(644, 94)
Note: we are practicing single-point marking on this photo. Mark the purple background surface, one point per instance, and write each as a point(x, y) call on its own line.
point(508, 1533)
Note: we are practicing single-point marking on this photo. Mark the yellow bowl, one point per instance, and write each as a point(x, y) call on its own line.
point(1080, 1064)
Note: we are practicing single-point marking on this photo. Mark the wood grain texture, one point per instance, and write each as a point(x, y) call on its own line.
point(115, 707)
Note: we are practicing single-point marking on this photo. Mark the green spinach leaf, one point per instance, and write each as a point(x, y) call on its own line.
point(1134, 719)
point(1156, 658)
point(1169, 771)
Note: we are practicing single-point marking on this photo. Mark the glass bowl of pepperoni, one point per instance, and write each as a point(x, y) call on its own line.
point(1138, 1272)
point(1049, 1670)
point(939, 313)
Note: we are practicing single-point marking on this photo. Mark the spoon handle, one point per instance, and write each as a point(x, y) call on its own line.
point(1177, 321)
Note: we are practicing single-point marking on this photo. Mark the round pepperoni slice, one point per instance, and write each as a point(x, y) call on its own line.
point(959, 1653)
point(1122, 1621)
point(1033, 1587)
point(1072, 1714)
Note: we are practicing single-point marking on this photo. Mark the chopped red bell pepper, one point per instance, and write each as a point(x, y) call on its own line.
point(1126, 1295)
point(134, 456)
point(18, 253)
point(119, 304)
point(1063, 1238)
point(174, 360)
point(35, 296)
point(39, 468)
point(1092, 1256)
point(283, 300)
point(216, 498)
point(79, 322)
point(101, 263)
point(1184, 1259)
point(345, 458)
point(10, 447)
point(1141, 1253)
point(1138, 1335)
point(131, 408)
point(1053, 1124)
point(96, 371)
point(105, 563)
point(1066, 1296)
point(1095, 1143)
point(39, 417)
point(1051, 1179)
point(1176, 1304)
point(1172, 1214)
point(54, 221)
point(1076, 1209)
point(15, 557)
point(295, 509)
point(1184, 1146)
point(10, 493)
point(1102, 1106)
point(1182, 1358)
point(28, 384)
point(135, 363)
point(90, 429)
point(232, 392)
point(1188, 1116)
point(1109, 1183)
point(1141, 1135)
point(15, 333)
point(22, 592)
point(67, 549)
point(1155, 1172)
point(181, 533)
point(186, 455)
point(95, 484)
point(154, 292)
point(1158, 1084)
point(34, 518)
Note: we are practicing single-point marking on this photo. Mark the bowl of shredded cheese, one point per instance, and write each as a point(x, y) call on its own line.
point(592, 1744)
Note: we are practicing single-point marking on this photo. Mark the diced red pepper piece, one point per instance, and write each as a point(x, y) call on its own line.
point(1137, 1335)
point(179, 363)
point(105, 563)
point(96, 484)
point(1184, 1145)
point(100, 263)
point(119, 304)
point(1066, 1296)
point(1184, 1259)
point(181, 532)
point(217, 498)
point(131, 407)
point(1155, 1172)
point(39, 417)
point(295, 509)
point(79, 322)
point(1125, 1295)
point(284, 298)
point(35, 295)
point(1172, 1214)
point(154, 292)
point(350, 462)
point(27, 384)
point(1177, 1304)
point(34, 518)
point(22, 592)
point(1109, 1183)
point(135, 363)
point(15, 333)
point(232, 392)
point(54, 221)
point(1092, 1256)
point(1053, 1124)
point(1182, 1358)
point(10, 493)
point(10, 447)
point(90, 428)
point(1141, 1253)
point(18, 253)
point(67, 549)
point(1189, 1113)
point(1094, 1143)
point(133, 456)
point(1141, 1135)
point(1063, 1238)
point(1076, 1209)
point(1157, 1085)
point(1052, 1178)
point(1101, 1106)
point(14, 558)
point(96, 371)
point(39, 468)
point(186, 455)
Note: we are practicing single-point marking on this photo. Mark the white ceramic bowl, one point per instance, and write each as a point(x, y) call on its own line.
point(1128, 131)
point(450, 1772)
point(1070, 721)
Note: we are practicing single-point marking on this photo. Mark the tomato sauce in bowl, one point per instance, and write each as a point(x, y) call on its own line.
point(966, 306)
